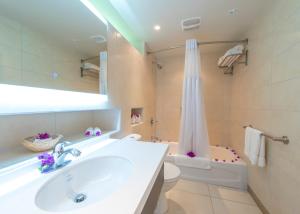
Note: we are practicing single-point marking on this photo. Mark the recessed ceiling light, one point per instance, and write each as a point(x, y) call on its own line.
point(233, 11)
point(156, 27)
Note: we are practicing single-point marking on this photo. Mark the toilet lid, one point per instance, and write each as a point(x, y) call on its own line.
point(171, 171)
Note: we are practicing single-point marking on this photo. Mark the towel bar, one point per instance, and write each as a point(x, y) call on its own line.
point(283, 139)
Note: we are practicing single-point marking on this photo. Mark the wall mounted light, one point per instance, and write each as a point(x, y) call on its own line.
point(22, 99)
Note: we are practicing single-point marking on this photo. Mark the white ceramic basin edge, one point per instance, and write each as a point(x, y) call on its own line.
point(84, 183)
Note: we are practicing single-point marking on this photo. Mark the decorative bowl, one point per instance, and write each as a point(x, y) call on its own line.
point(35, 145)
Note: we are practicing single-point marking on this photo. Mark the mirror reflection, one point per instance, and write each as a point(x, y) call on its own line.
point(42, 47)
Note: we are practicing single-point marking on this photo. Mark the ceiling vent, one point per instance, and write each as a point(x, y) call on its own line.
point(190, 23)
point(98, 39)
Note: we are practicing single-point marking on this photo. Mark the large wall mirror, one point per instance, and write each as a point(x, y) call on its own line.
point(41, 46)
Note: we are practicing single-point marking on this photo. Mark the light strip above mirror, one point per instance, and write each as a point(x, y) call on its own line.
point(25, 100)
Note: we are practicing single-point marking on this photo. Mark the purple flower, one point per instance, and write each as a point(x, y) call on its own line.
point(87, 133)
point(46, 159)
point(44, 156)
point(42, 136)
point(98, 133)
point(191, 154)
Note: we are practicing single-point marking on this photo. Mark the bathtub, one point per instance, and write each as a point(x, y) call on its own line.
point(227, 168)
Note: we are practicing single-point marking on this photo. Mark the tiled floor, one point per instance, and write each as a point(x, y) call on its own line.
point(190, 197)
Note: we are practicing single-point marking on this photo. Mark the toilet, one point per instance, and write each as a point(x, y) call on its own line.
point(171, 176)
point(133, 137)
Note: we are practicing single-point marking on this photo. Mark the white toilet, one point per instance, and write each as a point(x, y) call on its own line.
point(171, 176)
point(133, 137)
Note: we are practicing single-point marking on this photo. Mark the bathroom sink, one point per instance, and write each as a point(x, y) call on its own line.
point(85, 183)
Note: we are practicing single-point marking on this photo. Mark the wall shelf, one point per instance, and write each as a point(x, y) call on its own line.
point(228, 62)
point(136, 116)
point(136, 124)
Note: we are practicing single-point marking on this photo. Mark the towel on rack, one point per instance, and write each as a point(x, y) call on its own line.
point(235, 51)
point(255, 147)
point(90, 67)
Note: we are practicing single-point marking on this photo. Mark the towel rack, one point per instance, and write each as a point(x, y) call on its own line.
point(283, 139)
point(88, 70)
point(231, 60)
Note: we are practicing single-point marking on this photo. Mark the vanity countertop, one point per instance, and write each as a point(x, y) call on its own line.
point(147, 159)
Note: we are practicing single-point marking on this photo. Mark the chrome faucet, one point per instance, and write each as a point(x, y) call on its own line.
point(60, 153)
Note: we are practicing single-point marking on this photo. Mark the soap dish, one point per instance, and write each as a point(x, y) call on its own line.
point(35, 145)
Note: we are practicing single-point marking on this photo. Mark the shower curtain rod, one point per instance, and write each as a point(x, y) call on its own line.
point(200, 43)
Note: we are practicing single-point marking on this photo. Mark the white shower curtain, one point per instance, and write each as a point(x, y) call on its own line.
point(193, 129)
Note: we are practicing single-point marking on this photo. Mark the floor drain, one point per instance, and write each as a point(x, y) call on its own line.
point(79, 198)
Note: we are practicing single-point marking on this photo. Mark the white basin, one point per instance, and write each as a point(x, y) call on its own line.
point(95, 178)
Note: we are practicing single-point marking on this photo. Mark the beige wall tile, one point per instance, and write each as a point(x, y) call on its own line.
point(10, 33)
point(73, 123)
point(286, 65)
point(266, 95)
point(25, 51)
point(10, 75)
point(131, 84)
point(13, 129)
point(284, 95)
point(10, 57)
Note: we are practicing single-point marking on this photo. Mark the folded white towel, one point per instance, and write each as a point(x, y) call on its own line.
point(196, 162)
point(255, 147)
point(90, 66)
point(238, 49)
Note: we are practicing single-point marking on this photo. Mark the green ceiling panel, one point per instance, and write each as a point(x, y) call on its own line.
point(115, 19)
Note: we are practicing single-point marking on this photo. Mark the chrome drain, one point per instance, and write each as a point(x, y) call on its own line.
point(79, 198)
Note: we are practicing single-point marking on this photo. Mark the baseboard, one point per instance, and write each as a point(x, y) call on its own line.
point(258, 201)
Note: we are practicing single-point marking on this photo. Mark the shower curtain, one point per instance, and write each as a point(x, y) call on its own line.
point(193, 129)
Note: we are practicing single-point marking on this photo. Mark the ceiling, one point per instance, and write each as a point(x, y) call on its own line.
point(69, 22)
point(216, 24)
point(76, 28)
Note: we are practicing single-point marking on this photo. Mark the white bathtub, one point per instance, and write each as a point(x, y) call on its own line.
point(227, 169)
